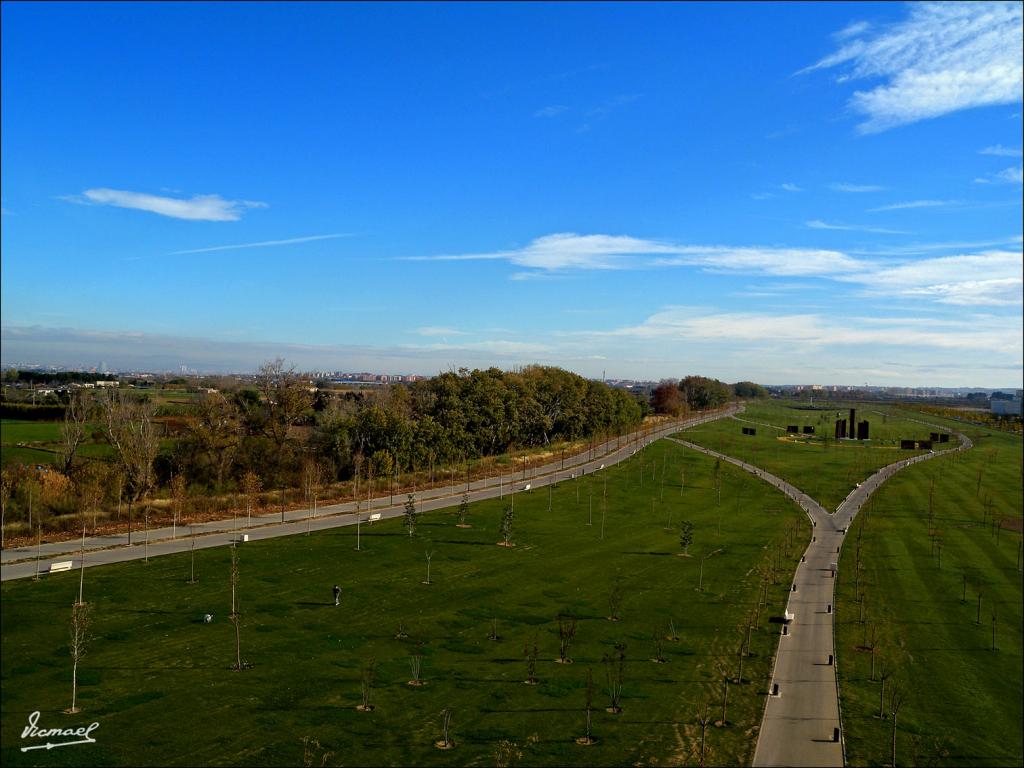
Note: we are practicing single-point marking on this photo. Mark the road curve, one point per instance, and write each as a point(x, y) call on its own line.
point(21, 562)
point(801, 720)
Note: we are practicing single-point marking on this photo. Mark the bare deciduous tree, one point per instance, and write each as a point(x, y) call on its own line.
point(615, 668)
point(724, 675)
point(216, 430)
point(284, 399)
point(251, 487)
point(587, 738)
point(896, 696)
point(6, 491)
point(566, 634)
point(129, 428)
point(446, 721)
point(703, 720)
point(366, 677)
point(236, 616)
point(312, 480)
point(531, 652)
point(81, 620)
point(659, 635)
point(179, 493)
point(72, 429)
point(615, 601)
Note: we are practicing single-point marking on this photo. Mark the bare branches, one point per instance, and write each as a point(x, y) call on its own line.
point(72, 430)
point(129, 428)
point(81, 620)
point(566, 634)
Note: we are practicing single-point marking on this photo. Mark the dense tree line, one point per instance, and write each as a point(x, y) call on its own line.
point(283, 422)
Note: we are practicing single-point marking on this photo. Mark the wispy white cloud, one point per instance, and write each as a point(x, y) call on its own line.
point(763, 195)
point(791, 187)
point(264, 244)
point(436, 330)
point(991, 278)
point(569, 251)
point(942, 58)
point(196, 208)
point(551, 111)
point(778, 262)
point(914, 204)
point(1005, 176)
point(1000, 151)
point(842, 186)
point(810, 331)
point(852, 29)
point(819, 224)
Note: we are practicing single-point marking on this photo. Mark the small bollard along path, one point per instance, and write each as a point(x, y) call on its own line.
point(802, 719)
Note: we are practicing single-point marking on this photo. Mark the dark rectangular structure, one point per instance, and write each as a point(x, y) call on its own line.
point(840, 429)
point(935, 437)
point(924, 445)
point(792, 429)
point(943, 438)
point(908, 445)
point(809, 430)
point(749, 431)
point(862, 430)
point(853, 423)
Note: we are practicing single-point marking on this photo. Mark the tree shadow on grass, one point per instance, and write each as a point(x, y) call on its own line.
point(659, 554)
point(471, 543)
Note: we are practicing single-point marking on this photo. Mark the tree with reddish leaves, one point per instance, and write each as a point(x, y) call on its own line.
point(667, 399)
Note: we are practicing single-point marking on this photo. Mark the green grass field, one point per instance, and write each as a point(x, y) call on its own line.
point(963, 700)
point(158, 680)
point(821, 467)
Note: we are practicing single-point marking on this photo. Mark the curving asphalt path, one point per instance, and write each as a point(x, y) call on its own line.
point(21, 562)
point(800, 721)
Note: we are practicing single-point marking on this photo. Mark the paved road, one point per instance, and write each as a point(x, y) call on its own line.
point(21, 562)
point(799, 723)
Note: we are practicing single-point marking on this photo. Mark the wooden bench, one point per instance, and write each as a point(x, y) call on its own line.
point(374, 517)
point(65, 565)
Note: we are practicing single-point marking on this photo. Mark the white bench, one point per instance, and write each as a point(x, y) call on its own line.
point(242, 539)
point(65, 565)
point(375, 517)
point(527, 486)
point(789, 615)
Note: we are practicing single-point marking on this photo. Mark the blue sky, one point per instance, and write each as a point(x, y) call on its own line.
point(782, 192)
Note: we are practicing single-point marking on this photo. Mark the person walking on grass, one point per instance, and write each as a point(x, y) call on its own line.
point(337, 595)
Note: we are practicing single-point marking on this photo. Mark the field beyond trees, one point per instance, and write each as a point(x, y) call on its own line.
point(159, 680)
point(824, 468)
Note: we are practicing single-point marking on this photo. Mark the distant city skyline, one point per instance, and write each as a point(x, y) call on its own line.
point(776, 192)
